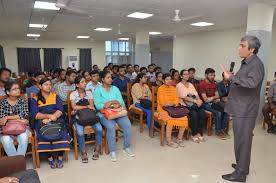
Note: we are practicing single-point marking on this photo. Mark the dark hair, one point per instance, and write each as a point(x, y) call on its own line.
point(69, 68)
point(173, 72)
point(209, 71)
point(150, 65)
point(166, 75)
point(182, 71)
point(78, 79)
point(3, 69)
point(128, 65)
point(138, 77)
point(60, 71)
point(157, 73)
point(9, 85)
point(143, 68)
point(121, 67)
point(56, 71)
point(38, 73)
point(94, 66)
point(39, 95)
point(106, 67)
point(84, 73)
point(93, 72)
point(103, 74)
point(70, 72)
point(136, 65)
point(191, 69)
point(110, 63)
point(172, 69)
point(253, 43)
point(115, 66)
point(156, 68)
point(275, 74)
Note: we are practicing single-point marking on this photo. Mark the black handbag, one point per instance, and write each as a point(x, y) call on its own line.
point(177, 112)
point(52, 131)
point(146, 103)
point(87, 116)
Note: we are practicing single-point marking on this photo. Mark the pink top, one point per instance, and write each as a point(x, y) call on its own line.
point(183, 91)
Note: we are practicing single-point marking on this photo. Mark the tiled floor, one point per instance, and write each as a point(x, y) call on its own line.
point(196, 163)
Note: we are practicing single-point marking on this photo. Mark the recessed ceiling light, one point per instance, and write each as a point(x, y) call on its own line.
point(124, 39)
point(33, 35)
point(45, 5)
point(83, 37)
point(201, 24)
point(102, 29)
point(38, 25)
point(139, 15)
point(155, 33)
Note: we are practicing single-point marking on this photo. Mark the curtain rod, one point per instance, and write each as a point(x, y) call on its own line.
point(84, 48)
point(43, 48)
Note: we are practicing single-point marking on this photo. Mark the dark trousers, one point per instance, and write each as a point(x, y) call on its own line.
point(243, 136)
point(27, 176)
point(197, 118)
point(266, 112)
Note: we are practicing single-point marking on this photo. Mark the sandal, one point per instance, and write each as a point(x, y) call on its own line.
point(59, 163)
point(195, 139)
point(181, 143)
point(201, 139)
point(172, 144)
point(52, 164)
point(84, 158)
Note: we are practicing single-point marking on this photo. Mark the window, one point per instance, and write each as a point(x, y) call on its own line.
point(119, 52)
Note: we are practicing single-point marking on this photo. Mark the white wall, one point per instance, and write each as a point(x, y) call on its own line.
point(209, 49)
point(70, 48)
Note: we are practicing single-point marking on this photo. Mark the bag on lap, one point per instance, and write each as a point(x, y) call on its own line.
point(52, 131)
point(114, 113)
point(146, 103)
point(177, 112)
point(14, 128)
point(86, 117)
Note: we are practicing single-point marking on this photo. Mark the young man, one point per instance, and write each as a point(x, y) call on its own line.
point(94, 83)
point(136, 69)
point(115, 70)
point(55, 76)
point(151, 73)
point(121, 80)
point(131, 75)
point(223, 89)
point(269, 107)
point(60, 79)
point(37, 76)
point(210, 96)
point(192, 76)
point(67, 85)
point(5, 75)
point(96, 68)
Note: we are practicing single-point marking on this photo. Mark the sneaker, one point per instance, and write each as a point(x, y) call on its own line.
point(96, 153)
point(84, 158)
point(128, 152)
point(181, 143)
point(113, 156)
point(172, 144)
point(221, 136)
point(195, 139)
point(201, 138)
point(225, 132)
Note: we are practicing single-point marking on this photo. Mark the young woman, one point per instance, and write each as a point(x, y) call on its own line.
point(107, 96)
point(188, 96)
point(159, 80)
point(167, 96)
point(140, 90)
point(175, 77)
point(47, 107)
point(86, 76)
point(13, 108)
point(76, 96)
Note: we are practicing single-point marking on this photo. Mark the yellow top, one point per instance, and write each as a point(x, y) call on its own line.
point(138, 91)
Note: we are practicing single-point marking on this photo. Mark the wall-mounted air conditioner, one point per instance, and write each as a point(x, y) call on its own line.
point(73, 62)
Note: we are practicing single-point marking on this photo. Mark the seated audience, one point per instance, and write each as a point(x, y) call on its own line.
point(107, 69)
point(110, 65)
point(14, 109)
point(67, 85)
point(223, 89)
point(167, 96)
point(46, 108)
point(94, 83)
point(210, 96)
point(157, 69)
point(159, 79)
point(140, 90)
point(121, 80)
point(130, 74)
point(189, 97)
point(85, 96)
point(86, 76)
point(171, 70)
point(107, 97)
point(96, 68)
point(192, 77)
point(55, 76)
point(269, 107)
point(175, 77)
point(115, 70)
point(37, 76)
point(136, 69)
point(60, 79)
point(151, 73)
point(5, 75)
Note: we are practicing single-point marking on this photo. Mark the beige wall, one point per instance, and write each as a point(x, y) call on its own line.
point(209, 49)
point(70, 49)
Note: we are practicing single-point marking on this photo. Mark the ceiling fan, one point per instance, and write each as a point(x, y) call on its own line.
point(65, 5)
point(177, 17)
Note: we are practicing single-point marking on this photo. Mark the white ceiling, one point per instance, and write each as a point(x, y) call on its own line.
point(15, 15)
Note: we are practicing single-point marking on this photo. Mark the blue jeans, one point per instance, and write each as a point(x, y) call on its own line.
point(80, 133)
point(110, 125)
point(9, 147)
point(221, 119)
point(148, 112)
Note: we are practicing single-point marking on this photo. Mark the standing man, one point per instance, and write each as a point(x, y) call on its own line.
point(243, 104)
